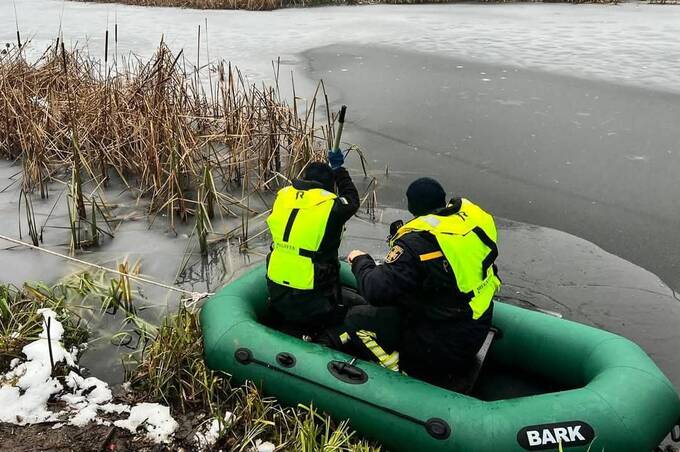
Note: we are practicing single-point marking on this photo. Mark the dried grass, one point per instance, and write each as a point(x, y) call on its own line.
point(265, 5)
point(254, 5)
point(152, 125)
point(21, 323)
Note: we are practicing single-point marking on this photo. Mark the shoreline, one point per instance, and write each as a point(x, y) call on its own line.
point(270, 5)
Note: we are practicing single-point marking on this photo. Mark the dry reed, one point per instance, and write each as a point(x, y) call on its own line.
point(151, 125)
point(254, 5)
point(265, 5)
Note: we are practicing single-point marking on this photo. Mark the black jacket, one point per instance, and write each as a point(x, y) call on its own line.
point(438, 329)
point(317, 308)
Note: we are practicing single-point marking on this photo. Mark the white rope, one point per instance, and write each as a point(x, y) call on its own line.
point(195, 296)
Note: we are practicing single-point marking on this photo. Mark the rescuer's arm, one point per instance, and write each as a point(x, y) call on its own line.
point(388, 283)
point(349, 204)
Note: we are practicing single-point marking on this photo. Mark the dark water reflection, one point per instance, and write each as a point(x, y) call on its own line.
point(595, 159)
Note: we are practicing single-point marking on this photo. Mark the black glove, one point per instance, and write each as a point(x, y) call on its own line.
point(394, 227)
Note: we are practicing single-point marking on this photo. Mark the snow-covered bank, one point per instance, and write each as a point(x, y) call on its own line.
point(49, 402)
point(29, 386)
point(633, 43)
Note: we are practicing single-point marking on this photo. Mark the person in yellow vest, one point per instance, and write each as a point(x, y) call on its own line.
point(306, 223)
point(431, 301)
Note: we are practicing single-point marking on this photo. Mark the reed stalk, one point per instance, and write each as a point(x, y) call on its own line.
point(30, 218)
point(152, 124)
point(265, 5)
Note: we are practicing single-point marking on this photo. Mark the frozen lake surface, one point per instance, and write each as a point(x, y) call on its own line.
point(596, 159)
point(630, 43)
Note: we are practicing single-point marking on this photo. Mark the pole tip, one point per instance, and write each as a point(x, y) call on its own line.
point(343, 110)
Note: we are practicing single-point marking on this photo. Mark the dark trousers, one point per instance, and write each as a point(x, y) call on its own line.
point(293, 316)
point(365, 328)
point(427, 351)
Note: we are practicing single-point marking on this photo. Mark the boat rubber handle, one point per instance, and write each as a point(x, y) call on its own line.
point(347, 372)
point(285, 359)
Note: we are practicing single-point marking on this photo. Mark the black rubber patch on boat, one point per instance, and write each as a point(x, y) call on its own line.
point(438, 428)
point(286, 360)
point(548, 436)
point(347, 372)
point(333, 367)
point(243, 355)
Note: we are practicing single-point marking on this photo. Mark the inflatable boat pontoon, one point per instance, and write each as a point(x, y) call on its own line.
point(546, 381)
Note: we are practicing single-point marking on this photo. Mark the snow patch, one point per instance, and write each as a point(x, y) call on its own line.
point(265, 446)
point(153, 417)
point(204, 440)
point(208, 436)
point(114, 408)
point(84, 416)
point(28, 386)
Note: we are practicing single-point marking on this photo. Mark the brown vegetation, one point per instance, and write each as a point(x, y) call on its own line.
point(181, 141)
point(255, 5)
point(262, 5)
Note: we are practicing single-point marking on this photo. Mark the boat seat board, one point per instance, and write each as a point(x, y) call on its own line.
point(466, 381)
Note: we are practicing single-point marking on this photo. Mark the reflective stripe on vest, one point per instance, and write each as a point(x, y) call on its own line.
point(468, 240)
point(387, 360)
point(297, 224)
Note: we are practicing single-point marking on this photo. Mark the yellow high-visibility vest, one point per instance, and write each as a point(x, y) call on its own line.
point(467, 240)
point(297, 224)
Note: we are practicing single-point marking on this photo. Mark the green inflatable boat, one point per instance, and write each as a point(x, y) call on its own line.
point(546, 382)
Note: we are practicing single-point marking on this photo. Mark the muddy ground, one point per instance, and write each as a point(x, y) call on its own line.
point(93, 437)
point(42, 437)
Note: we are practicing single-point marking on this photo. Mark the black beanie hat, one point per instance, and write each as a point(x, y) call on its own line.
point(320, 172)
point(425, 195)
